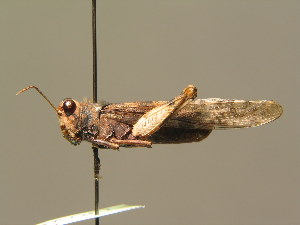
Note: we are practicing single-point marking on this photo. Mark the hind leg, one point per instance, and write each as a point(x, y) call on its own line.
point(133, 143)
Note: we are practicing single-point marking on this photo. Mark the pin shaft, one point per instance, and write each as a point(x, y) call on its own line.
point(95, 150)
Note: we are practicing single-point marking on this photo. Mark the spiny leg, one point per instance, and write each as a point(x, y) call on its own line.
point(107, 144)
point(138, 143)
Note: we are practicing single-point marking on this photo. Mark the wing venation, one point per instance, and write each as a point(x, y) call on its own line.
point(216, 113)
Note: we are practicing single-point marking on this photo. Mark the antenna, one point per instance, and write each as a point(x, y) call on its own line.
point(41, 93)
point(105, 211)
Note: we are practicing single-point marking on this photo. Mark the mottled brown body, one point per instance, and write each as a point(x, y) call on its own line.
point(180, 120)
point(115, 122)
point(112, 125)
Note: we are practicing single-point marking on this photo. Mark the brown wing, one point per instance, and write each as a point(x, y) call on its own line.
point(129, 112)
point(212, 113)
point(215, 113)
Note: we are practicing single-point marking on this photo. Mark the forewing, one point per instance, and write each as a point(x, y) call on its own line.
point(215, 113)
point(129, 112)
point(211, 113)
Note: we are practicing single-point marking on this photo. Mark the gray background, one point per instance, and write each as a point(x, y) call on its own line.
point(150, 50)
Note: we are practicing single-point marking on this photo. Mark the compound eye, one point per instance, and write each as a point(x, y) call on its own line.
point(69, 107)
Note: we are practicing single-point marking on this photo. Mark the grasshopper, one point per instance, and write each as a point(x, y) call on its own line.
point(183, 119)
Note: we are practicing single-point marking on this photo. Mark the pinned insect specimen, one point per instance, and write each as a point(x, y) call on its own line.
point(183, 119)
